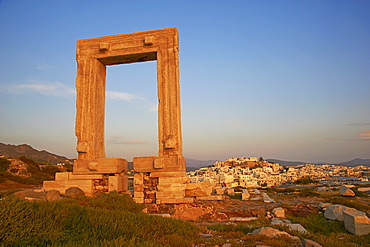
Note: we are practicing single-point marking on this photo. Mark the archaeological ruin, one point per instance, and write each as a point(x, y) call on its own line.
point(159, 179)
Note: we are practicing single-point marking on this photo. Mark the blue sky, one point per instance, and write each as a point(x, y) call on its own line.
point(280, 79)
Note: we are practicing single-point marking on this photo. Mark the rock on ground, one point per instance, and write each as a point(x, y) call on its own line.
point(356, 222)
point(345, 191)
point(335, 212)
point(279, 212)
point(52, 195)
point(310, 243)
point(74, 192)
point(272, 232)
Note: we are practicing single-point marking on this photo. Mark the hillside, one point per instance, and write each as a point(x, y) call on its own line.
point(192, 164)
point(15, 151)
point(356, 162)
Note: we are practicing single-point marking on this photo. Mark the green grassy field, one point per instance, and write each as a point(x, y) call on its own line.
point(107, 220)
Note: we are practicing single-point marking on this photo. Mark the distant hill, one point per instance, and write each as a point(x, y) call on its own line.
point(287, 163)
point(356, 162)
point(15, 151)
point(192, 164)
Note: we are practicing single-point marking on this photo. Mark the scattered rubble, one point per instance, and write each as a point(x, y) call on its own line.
point(266, 198)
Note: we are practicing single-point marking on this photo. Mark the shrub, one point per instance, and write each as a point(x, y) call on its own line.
point(305, 181)
point(4, 164)
point(360, 193)
point(308, 192)
point(50, 170)
point(350, 202)
point(113, 201)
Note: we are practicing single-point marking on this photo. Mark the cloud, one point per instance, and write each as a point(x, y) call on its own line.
point(114, 95)
point(153, 108)
point(44, 67)
point(330, 139)
point(59, 89)
point(118, 140)
point(358, 124)
point(364, 135)
point(46, 88)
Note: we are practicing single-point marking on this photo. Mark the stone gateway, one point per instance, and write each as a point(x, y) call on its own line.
point(160, 179)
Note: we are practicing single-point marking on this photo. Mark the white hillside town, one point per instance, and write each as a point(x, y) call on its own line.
point(254, 172)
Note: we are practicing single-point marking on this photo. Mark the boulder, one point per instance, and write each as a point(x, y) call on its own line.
point(266, 198)
point(52, 195)
point(205, 235)
point(74, 192)
point(230, 191)
point(297, 227)
point(310, 243)
point(242, 218)
point(365, 189)
point(321, 189)
point(246, 195)
point(29, 193)
point(220, 190)
point(256, 191)
point(356, 222)
point(335, 212)
point(277, 222)
point(323, 205)
point(279, 212)
point(272, 232)
point(345, 191)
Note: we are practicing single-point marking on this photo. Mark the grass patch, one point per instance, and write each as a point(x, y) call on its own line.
point(329, 233)
point(101, 221)
point(308, 192)
point(235, 196)
point(351, 202)
point(316, 223)
point(243, 227)
point(360, 193)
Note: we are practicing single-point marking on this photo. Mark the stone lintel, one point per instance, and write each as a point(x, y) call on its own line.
point(127, 44)
point(100, 166)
